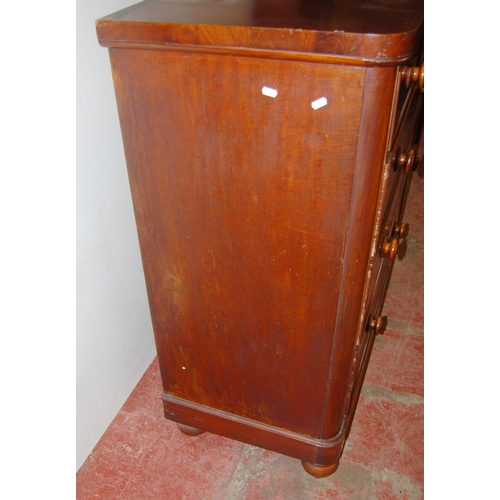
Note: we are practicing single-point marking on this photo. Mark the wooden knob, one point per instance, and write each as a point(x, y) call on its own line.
point(421, 78)
point(377, 325)
point(402, 230)
point(402, 159)
point(406, 160)
point(409, 161)
point(414, 74)
point(390, 247)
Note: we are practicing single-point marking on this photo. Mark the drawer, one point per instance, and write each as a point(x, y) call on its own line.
point(390, 229)
point(402, 150)
point(401, 160)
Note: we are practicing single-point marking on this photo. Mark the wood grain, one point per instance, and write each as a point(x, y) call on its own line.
point(261, 219)
point(374, 31)
point(242, 248)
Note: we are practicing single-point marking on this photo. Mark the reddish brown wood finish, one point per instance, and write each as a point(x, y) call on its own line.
point(190, 431)
point(319, 471)
point(261, 220)
point(373, 31)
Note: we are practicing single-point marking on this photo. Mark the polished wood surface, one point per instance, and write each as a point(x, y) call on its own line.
point(374, 31)
point(268, 228)
point(242, 248)
point(190, 431)
point(318, 470)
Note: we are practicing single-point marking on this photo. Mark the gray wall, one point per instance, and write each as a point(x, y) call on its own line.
point(114, 335)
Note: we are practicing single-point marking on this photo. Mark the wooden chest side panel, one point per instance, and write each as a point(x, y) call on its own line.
point(242, 204)
point(378, 94)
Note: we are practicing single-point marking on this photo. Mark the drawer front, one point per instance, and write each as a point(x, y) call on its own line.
point(390, 229)
point(402, 155)
point(402, 160)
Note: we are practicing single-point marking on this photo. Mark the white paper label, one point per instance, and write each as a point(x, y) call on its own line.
point(319, 103)
point(269, 92)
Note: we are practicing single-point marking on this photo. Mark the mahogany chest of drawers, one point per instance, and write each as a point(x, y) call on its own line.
point(269, 147)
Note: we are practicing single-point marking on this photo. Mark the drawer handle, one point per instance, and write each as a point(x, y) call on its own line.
point(414, 74)
point(390, 247)
point(378, 324)
point(421, 78)
point(407, 160)
point(401, 231)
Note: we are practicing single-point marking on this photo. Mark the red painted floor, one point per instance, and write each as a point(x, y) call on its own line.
point(142, 456)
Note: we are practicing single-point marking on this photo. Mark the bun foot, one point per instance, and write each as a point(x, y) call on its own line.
point(190, 431)
point(319, 470)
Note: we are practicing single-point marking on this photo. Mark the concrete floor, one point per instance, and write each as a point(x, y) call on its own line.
point(142, 456)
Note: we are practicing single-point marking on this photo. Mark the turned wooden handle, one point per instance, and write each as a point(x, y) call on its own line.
point(402, 230)
point(414, 74)
point(390, 247)
point(407, 160)
point(378, 324)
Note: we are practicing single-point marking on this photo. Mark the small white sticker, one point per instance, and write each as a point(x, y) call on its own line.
point(269, 92)
point(319, 103)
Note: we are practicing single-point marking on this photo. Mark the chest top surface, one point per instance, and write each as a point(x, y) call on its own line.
point(375, 31)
